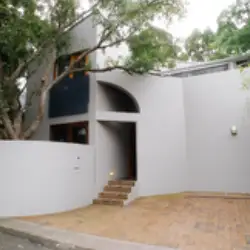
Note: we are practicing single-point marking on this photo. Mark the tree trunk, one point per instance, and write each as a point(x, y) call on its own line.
point(40, 114)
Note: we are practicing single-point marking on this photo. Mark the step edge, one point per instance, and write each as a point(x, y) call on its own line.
point(108, 199)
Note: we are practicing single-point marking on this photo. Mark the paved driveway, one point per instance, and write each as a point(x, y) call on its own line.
point(173, 221)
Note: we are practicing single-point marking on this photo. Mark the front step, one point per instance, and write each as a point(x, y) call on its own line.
point(118, 188)
point(108, 201)
point(115, 193)
point(129, 183)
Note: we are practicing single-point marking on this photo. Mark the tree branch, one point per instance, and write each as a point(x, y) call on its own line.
point(7, 124)
point(43, 90)
point(40, 113)
point(83, 55)
point(82, 17)
point(128, 70)
point(18, 121)
point(22, 66)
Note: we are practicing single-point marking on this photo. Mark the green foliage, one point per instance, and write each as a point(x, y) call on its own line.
point(35, 31)
point(234, 28)
point(201, 46)
point(231, 38)
point(152, 48)
point(130, 21)
point(60, 13)
point(17, 38)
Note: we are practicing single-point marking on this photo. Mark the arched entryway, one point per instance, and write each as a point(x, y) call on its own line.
point(118, 138)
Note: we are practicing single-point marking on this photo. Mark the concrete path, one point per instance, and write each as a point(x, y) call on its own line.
point(8, 242)
point(61, 239)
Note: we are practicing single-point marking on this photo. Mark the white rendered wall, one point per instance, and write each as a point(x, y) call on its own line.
point(44, 177)
point(161, 156)
point(216, 160)
point(183, 135)
point(112, 155)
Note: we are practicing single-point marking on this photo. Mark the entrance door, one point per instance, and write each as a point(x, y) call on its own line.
point(132, 168)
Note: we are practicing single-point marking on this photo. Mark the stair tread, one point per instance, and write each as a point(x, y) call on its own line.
point(108, 202)
point(113, 195)
point(108, 199)
point(122, 182)
point(118, 186)
point(114, 192)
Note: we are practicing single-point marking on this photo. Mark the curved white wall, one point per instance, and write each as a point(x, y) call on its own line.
point(44, 177)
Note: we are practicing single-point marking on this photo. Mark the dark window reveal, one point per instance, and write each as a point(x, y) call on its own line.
point(62, 64)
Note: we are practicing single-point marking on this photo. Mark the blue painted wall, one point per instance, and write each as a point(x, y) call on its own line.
point(70, 96)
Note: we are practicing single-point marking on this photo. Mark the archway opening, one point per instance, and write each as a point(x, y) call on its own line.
point(115, 98)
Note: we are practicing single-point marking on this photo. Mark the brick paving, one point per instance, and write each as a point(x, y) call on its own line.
point(172, 221)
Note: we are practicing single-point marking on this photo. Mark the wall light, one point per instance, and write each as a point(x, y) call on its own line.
point(234, 131)
point(111, 174)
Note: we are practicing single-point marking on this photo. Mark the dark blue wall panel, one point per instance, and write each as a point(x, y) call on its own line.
point(70, 96)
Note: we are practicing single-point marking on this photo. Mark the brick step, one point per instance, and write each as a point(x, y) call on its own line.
point(108, 201)
point(122, 182)
point(113, 195)
point(117, 188)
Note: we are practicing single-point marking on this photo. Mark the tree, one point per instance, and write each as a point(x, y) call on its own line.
point(234, 28)
point(201, 46)
point(231, 37)
point(152, 48)
point(41, 34)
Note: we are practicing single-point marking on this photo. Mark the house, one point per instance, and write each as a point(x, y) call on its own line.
point(140, 135)
point(200, 68)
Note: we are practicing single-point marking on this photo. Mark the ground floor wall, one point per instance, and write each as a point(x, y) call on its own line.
point(44, 177)
point(183, 139)
point(160, 131)
point(217, 161)
point(184, 142)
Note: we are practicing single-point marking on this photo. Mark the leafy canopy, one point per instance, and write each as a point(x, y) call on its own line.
point(35, 31)
point(231, 37)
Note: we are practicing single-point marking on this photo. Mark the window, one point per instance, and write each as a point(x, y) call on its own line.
point(243, 63)
point(64, 61)
point(82, 63)
point(62, 64)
